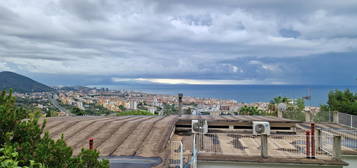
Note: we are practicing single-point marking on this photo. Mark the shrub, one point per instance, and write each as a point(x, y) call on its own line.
point(21, 142)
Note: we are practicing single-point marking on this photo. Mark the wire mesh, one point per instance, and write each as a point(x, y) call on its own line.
point(229, 144)
point(325, 142)
point(348, 137)
point(176, 154)
point(347, 119)
point(279, 146)
point(293, 146)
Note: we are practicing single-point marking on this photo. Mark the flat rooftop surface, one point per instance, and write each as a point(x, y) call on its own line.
point(140, 136)
point(144, 136)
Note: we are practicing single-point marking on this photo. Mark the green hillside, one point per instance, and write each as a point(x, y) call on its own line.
point(20, 83)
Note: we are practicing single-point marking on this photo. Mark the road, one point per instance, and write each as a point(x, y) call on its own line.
point(59, 107)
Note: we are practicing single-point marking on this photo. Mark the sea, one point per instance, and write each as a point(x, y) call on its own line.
point(241, 93)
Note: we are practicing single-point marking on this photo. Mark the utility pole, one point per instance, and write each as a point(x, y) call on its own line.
point(180, 95)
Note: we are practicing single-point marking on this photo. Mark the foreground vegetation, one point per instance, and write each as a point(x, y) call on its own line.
point(134, 112)
point(25, 144)
point(294, 109)
point(342, 101)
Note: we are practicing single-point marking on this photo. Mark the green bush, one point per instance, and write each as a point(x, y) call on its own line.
point(9, 159)
point(250, 110)
point(343, 101)
point(22, 145)
point(134, 112)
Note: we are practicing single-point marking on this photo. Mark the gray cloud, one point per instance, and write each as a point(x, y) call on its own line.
point(202, 38)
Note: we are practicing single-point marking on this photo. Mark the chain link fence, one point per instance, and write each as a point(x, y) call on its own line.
point(347, 119)
point(323, 116)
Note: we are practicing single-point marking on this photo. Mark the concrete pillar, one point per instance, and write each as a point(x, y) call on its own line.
point(293, 128)
point(337, 147)
point(335, 117)
point(264, 146)
point(231, 127)
point(280, 114)
point(307, 116)
point(319, 139)
point(180, 95)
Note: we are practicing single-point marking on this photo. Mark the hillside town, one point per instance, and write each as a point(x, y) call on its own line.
point(117, 101)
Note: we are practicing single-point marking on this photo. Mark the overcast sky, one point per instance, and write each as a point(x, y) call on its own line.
point(66, 42)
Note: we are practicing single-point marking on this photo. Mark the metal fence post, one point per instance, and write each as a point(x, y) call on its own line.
point(91, 143)
point(194, 150)
point(264, 146)
point(280, 114)
point(181, 155)
point(307, 142)
point(319, 139)
point(313, 146)
point(337, 147)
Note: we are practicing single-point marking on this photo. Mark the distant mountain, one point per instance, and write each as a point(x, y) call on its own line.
point(20, 83)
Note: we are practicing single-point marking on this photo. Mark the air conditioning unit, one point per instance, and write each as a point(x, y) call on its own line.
point(199, 126)
point(261, 127)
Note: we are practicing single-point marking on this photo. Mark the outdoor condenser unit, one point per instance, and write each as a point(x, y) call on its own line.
point(261, 127)
point(199, 126)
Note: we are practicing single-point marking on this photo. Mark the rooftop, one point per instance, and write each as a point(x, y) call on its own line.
point(150, 136)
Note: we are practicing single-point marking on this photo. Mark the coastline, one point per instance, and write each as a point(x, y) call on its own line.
point(240, 93)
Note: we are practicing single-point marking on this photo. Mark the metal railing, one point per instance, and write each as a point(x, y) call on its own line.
point(176, 154)
point(348, 137)
point(229, 144)
point(194, 152)
point(279, 146)
point(325, 142)
point(347, 119)
point(293, 146)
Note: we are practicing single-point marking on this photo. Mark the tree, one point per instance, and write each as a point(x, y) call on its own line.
point(122, 108)
point(294, 110)
point(77, 111)
point(21, 137)
point(187, 111)
point(280, 99)
point(343, 101)
point(141, 106)
point(251, 110)
point(169, 109)
point(323, 115)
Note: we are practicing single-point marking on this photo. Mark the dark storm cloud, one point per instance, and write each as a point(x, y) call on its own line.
point(248, 41)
